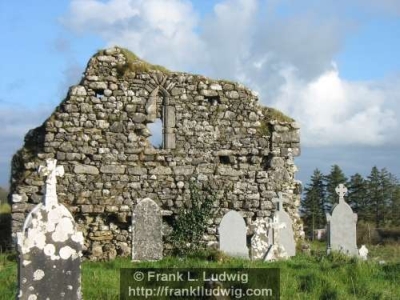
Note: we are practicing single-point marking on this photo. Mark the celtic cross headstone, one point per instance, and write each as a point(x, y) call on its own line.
point(342, 226)
point(49, 247)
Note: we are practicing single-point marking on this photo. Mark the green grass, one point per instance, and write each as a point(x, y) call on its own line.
point(271, 114)
point(3, 195)
point(8, 276)
point(5, 208)
point(303, 277)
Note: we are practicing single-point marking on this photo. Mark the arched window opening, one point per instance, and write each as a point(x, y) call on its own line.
point(156, 130)
point(162, 114)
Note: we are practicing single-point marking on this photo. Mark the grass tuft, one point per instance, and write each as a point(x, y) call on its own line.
point(272, 114)
point(136, 65)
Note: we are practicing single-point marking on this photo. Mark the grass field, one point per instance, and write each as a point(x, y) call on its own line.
point(315, 276)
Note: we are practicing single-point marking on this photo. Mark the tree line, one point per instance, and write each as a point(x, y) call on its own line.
point(375, 198)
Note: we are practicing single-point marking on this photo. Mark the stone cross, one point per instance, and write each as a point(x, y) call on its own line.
point(51, 171)
point(341, 190)
point(286, 235)
point(342, 233)
point(276, 250)
point(276, 225)
point(49, 247)
point(279, 202)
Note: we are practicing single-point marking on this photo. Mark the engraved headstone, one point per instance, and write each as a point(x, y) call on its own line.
point(49, 247)
point(147, 243)
point(232, 235)
point(342, 226)
point(286, 235)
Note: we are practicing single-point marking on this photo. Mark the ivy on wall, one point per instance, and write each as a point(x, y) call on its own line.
point(191, 223)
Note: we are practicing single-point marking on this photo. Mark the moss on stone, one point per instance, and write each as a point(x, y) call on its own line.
point(264, 129)
point(135, 64)
point(272, 114)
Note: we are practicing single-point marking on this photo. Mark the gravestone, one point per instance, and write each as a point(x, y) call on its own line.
point(276, 251)
point(286, 234)
point(320, 234)
point(232, 235)
point(49, 247)
point(363, 252)
point(147, 243)
point(342, 226)
point(262, 238)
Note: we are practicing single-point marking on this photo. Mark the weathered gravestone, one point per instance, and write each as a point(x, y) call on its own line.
point(363, 252)
point(147, 243)
point(286, 234)
point(49, 247)
point(232, 235)
point(262, 238)
point(342, 226)
point(276, 251)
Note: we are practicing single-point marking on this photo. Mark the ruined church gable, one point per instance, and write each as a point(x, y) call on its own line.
point(213, 132)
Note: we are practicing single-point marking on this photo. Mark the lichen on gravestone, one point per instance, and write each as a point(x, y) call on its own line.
point(49, 247)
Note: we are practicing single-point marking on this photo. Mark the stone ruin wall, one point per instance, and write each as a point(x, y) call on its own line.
point(214, 132)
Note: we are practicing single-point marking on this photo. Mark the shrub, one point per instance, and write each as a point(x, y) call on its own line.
point(191, 223)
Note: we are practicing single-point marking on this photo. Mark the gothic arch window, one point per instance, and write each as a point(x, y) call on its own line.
point(158, 107)
point(156, 130)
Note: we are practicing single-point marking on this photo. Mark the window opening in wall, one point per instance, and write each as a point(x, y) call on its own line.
point(156, 130)
point(213, 100)
point(99, 93)
point(265, 163)
point(224, 159)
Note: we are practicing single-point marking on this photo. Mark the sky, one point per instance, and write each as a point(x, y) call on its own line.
point(331, 65)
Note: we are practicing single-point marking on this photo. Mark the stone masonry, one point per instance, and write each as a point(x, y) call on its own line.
point(214, 132)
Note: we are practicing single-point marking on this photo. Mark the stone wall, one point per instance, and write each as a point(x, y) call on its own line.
point(214, 132)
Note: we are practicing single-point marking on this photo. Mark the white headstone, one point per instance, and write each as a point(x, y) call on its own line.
point(262, 238)
point(342, 226)
point(232, 235)
point(276, 251)
point(286, 234)
point(363, 252)
point(49, 247)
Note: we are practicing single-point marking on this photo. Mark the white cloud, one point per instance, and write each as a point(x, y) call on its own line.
point(287, 58)
point(96, 16)
point(228, 36)
point(161, 31)
point(15, 123)
point(333, 111)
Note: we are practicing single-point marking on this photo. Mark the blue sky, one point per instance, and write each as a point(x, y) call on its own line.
point(331, 65)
